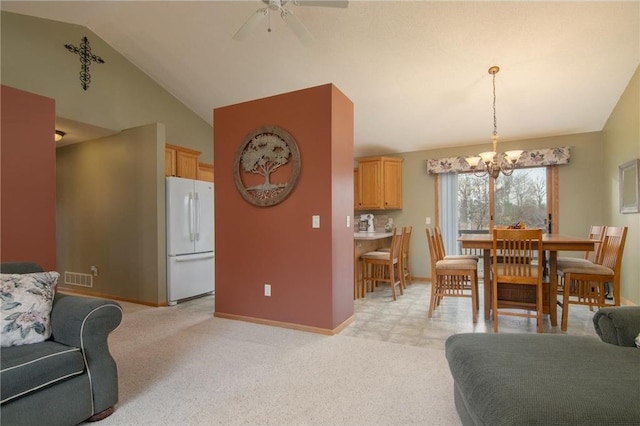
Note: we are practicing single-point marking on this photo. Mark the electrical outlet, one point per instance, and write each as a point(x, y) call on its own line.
point(427, 221)
point(267, 290)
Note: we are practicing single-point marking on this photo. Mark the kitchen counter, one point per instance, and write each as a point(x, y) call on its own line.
point(364, 242)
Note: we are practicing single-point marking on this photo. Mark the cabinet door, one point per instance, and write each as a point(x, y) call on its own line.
point(187, 164)
point(205, 172)
point(169, 161)
point(370, 185)
point(392, 178)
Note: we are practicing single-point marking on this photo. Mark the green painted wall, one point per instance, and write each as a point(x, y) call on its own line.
point(621, 136)
point(119, 97)
point(122, 97)
point(588, 185)
point(419, 188)
point(110, 191)
point(110, 213)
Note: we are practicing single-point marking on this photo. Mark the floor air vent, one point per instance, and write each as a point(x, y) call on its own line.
point(76, 278)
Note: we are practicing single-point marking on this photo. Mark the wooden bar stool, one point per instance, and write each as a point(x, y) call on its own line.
point(380, 266)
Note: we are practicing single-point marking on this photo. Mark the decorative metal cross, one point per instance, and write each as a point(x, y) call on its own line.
point(85, 60)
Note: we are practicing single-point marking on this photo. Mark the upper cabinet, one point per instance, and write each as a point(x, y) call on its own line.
point(181, 162)
point(205, 172)
point(379, 183)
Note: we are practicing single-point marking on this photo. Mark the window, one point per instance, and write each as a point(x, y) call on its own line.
point(521, 197)
point(528, 196)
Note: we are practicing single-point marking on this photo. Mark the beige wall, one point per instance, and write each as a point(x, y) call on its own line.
point(621, 136)
point(110, 213)
point(120, 95)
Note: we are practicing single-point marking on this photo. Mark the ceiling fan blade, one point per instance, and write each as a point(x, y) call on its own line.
point(251, 24)
point(322, 3)
point(298, 27)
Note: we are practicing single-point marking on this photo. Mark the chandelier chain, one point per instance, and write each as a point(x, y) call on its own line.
point(495, 121)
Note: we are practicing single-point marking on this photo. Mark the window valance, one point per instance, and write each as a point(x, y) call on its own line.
point(533, 158)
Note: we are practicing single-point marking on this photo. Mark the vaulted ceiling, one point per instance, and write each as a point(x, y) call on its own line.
point(415, 71)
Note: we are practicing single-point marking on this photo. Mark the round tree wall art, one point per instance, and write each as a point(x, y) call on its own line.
point(267, 166)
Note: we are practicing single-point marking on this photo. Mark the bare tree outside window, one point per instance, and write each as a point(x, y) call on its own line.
point(521, 197)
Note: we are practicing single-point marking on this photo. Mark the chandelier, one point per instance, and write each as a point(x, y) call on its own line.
point(492, 163)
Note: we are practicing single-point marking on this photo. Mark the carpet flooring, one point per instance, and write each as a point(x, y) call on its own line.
point(181, 366)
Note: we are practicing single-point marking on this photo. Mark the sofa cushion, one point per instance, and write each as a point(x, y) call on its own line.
point(26, 368)
point(25, 309)
point(518, 379)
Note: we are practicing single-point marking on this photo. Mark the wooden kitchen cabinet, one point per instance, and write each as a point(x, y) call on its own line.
point(205, 172)
point(379, 183)
point(181, 162)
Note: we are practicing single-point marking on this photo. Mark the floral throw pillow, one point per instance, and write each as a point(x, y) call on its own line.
point(26, 301)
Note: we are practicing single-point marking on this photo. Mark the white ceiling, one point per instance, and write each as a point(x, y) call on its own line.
point(415, 71)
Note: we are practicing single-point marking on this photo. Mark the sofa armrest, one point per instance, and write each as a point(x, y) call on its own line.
point(85, 323)
point(618, 325)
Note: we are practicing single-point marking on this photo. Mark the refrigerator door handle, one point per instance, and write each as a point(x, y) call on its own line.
point(197, 214)
point(190, 216)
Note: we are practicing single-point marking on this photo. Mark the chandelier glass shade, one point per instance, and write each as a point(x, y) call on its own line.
point(492, 163)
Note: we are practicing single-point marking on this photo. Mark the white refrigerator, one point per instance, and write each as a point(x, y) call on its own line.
point(190, 237)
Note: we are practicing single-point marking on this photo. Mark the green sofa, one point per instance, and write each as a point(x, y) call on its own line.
point(69, 378)
point(550, 379)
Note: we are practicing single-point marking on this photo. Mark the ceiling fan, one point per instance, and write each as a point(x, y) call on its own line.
point(287, 15)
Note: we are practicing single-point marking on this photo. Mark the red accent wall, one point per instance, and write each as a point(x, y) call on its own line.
point(27, 178)
point(310, 270)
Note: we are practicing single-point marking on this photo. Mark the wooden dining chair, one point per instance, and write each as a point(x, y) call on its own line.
point(381, 267)
point(596, 232)
point(587, 284)
point(451, 277)
point(517, 269)
point(443, 253)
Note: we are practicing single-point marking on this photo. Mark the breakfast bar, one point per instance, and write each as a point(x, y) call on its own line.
point(364, 242)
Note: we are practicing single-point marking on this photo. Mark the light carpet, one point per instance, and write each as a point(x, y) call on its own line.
point(182, 366)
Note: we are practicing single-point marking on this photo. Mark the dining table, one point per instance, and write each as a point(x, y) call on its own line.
point(551, 244)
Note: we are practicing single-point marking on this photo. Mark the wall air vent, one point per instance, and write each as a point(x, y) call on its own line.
point(78, 279)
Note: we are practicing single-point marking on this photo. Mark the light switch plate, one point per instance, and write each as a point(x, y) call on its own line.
point(315, 221)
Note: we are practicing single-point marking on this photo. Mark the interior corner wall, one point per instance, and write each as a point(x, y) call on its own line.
point(27, 178)
point(111, 214)
point(342, 201)
point(276, 245)
point(622, 144)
